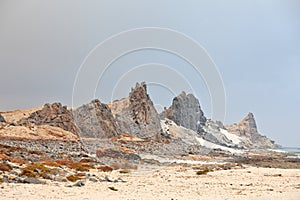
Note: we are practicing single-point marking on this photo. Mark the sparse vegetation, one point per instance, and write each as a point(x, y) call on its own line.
point(74, 178)
point(78, 166)
point(35, 170)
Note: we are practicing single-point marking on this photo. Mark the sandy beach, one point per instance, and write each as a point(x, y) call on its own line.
point(173, 182)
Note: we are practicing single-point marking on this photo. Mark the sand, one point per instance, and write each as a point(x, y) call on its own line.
point(174, 182)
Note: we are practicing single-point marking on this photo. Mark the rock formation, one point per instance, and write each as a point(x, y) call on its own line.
point(95, 120)
point(136, 114)
point(186, 111)
point(247, 128)
point(2, 118)
point(54, 115)
point(212, 132)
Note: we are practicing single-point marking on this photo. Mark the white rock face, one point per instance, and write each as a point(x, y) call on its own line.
point(191, 137)
point(211, 145)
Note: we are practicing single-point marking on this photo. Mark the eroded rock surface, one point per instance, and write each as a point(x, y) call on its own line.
point(136, 114)
point(186, 111)
point(95, 120)
point(54, 115)
point(247, 128)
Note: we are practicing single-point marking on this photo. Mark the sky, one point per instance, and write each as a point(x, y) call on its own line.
point(254, 44)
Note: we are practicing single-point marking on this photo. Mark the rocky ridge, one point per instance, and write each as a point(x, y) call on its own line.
point(137, 117)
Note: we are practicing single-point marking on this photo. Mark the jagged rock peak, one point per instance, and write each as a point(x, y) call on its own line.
point(247, 128)
point(250, 120)
point(186, 111)
point(2, 118)
point(138, 100)
point(54, 115)
point(136, 114)
point(95, 120)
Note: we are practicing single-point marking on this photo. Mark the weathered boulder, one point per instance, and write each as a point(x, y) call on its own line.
point(95, 120)
point(54, 115)
point(186, 111)
point(136, 114)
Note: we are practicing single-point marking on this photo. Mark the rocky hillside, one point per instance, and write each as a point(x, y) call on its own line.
point(186, 111)
point(95, 120)
point(136, 114)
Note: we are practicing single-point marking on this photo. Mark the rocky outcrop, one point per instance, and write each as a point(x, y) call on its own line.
point(247, 128)
point(95, 120)
point(186, 111)
point(2, 118)
point(212, 132)
point(136, 114)
point(54, 115)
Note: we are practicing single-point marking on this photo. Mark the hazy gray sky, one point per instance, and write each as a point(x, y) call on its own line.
point(255, 44)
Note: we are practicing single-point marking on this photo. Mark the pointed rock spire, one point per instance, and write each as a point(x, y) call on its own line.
point(136, 114)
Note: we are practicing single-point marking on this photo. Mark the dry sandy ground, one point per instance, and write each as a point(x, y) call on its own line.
point(173, 183)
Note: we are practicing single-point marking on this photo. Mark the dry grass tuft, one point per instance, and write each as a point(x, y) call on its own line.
point(35, 170)
point(78, 166)
point(74, 178)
